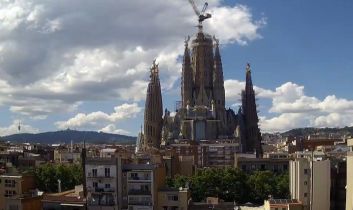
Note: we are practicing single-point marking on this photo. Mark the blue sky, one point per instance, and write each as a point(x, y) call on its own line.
point(85, 67)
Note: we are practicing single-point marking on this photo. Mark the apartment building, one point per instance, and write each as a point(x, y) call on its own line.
point(310, 182)
point(349, 187)
point(249, 162)
point(140, 185)
point(103, 177)
point(209, 153)
point(17, 192)
point(66, 155)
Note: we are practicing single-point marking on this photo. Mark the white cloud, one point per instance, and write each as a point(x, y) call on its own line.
point(292, 108)
point(111, 128)
point(13, 129)
point(59, 54)
point(96, 120)
point(296, 109)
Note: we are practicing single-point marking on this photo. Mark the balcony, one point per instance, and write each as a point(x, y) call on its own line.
point(90, 176)
point(140, 203)
point(139, 192)
point(101, 203)
point(139, 178)
point(100, 189)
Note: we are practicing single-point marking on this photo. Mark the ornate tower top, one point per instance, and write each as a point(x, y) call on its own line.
point(154, 68)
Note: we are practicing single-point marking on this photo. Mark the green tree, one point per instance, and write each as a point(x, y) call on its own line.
point(263, 184)
point(282, 186)
point(47, 176)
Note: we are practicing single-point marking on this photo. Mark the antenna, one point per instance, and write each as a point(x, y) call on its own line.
point(19, 126)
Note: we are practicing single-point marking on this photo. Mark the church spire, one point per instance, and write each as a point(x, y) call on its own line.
point(153, 110)
point(186, 78)
point(253, 135)
point(218, 81)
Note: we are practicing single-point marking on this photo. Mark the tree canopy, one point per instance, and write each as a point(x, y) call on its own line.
point(232, 184)
point(47, 176)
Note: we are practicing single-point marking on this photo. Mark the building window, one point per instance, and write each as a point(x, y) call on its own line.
point(95, 184)
point(173, 198)
point(305, 195)
point(94, 172)
point(306, 171)
point(9, 183)
point(10, 193)
point(107, 185)
point(107, 172)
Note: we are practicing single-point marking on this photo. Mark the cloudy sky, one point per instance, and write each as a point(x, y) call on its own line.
point(84, 64)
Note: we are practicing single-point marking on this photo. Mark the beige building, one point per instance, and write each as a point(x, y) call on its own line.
point(140, 186)
point(282, 204)
point(64, 156)
point(173, 199)
point(249, 162)
point(310, 183)
point(17, 192)
point(349, 187)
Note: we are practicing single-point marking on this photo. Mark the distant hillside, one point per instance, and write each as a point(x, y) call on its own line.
point(66, 136)
point(308, 131)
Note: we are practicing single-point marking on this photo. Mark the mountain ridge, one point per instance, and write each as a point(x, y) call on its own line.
point(66, 136)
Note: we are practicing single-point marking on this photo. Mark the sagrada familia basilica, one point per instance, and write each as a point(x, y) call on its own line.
point(202, 115)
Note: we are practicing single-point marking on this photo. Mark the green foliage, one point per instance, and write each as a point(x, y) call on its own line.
point(232, 184)
point(47, 176)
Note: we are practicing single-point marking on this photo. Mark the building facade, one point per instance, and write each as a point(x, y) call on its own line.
point(349, 187)
point(310, 182)
point(102, 183)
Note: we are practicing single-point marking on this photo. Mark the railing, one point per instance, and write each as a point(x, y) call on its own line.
point(141, 203)
point(101, 203)
point(138, 178)
point(101, 189)
point(139, 192)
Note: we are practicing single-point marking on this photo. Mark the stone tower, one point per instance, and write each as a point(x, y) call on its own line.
point(153, 111)
point(186, 78)
point(218, 87)
point(252, 138)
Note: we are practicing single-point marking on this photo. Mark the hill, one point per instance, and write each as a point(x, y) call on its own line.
point(307, 131)
point(66, 136)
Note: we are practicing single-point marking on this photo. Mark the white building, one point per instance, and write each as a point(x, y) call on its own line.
point(310, 182)
point(103, 178)
point(349, 187)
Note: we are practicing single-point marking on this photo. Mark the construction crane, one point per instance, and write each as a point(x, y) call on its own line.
point(202, 15)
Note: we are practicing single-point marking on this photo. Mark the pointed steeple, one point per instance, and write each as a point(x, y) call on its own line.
point(186, 78)
point(218, 80)
point(153, 110)
point(218, 87)
point(253, 135)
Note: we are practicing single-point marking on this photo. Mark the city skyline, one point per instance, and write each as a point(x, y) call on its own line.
point(90, 79)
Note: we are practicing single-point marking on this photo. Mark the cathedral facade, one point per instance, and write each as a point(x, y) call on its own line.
point(202, 115)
